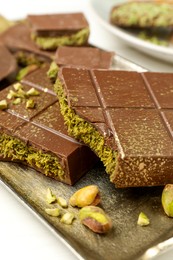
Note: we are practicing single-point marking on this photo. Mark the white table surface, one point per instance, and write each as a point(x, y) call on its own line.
point(22, 234)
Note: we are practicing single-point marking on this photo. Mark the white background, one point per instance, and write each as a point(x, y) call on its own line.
point(22, 234)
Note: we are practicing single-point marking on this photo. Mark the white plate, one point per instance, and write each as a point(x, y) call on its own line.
point(101, 10)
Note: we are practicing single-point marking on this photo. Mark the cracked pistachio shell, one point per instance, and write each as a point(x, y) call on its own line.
point(167, 199)
point(95, 219)
point(88, 195)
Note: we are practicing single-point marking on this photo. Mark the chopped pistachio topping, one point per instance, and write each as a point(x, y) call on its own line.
point(53, 71)
point(17, 86)
point(51, 43)
point(143, 220)
point(33, 92)
point(50, 197)
point(11, 94)
point(53, 212)
point(86, 132)
point(3, 104)
point(62, 202)
point(17, 101)
point(67, 218)
point(30, 103)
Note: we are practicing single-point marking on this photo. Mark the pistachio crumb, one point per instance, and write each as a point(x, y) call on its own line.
point(55, 212)
point(32, 92)
point(3, 104)
point(50, 197)
point(30, 103)
point(17, 101)
point(62, 202)
point(11, 94)
point(67, 218)
point(17, 86)
point(143, 220)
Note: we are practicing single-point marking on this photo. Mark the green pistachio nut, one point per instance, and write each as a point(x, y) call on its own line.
point(95, 219)
point(86, 196)
point(62, 202)
point(167, 199)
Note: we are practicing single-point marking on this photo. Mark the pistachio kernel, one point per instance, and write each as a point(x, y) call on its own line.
point(3, 104)
point(32, 92)
point(167, 199)
point(88, 195)
point(17, 101)
point(95, 219)
point(30, 103)
point(143, 220)
point(53, 212)
point(67, 218)
point(11, 94)
point(50, 197)
point(62, 202)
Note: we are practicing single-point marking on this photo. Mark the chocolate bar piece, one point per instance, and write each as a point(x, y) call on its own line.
point(18, 39)
point(125, 117)
point(8, 65)
point(32, 132)
point(50, 31)
point(142, 14)
point(88, 57)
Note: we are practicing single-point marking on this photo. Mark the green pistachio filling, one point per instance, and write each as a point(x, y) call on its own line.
point(51, 43)
point(15, 149)
point(86, 132)
point(143, 15)
point(53, 71)
point(25, 59)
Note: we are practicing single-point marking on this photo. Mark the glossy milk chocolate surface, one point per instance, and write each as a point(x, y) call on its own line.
point(134, 112)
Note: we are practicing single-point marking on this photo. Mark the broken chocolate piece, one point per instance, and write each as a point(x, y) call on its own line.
point(50, 31)
point(37, 136)
point(125, 117)
point(18, 39)
point(88, 57)
point(8, 65)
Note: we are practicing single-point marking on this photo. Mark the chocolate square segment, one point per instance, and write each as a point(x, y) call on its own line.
point(86, 57)
point(133, 135)
point(36, 136)
point(57, 24)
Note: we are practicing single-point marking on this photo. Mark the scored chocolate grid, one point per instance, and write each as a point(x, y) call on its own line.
point(148, 88)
